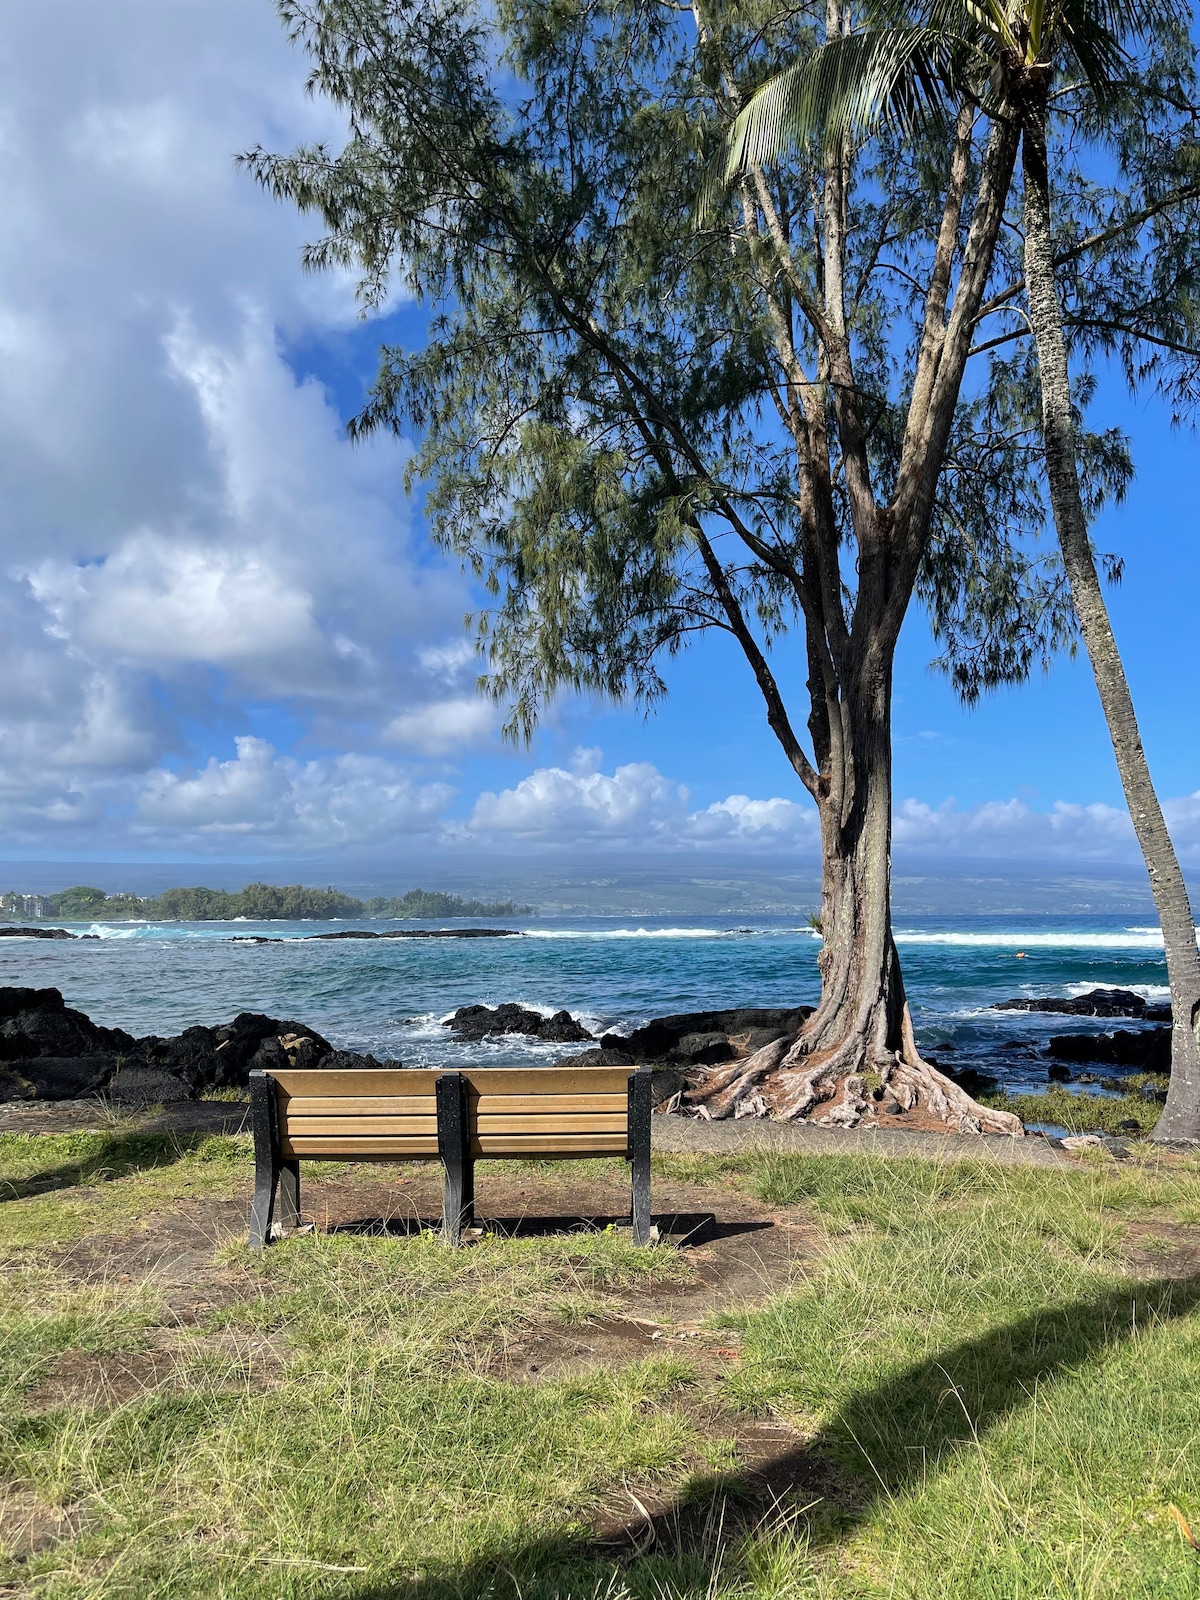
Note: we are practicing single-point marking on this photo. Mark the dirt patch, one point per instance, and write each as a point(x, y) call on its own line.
point(95, 1115)
point(1161, 1250)
point(232, 1361)
point(776, 1475)
point(28, 1525)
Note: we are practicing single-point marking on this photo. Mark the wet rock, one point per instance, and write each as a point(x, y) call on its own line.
point(1057, 1073)
point(49, 1051)
point(40, 933)
point(974, 1082)
point(704, 1049)
point(1147, 1049)
point(663, 1038)
point(598, 1058)
point(486, 1022)
point(1096, 1003)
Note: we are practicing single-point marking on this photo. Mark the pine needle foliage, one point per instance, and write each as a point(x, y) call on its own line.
point(606, 426)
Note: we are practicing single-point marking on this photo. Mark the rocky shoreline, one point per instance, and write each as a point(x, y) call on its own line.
point(50, 1052)
point(266, 938)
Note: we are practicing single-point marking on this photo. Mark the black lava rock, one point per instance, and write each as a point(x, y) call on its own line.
point(1147, 1049)
point(748, 1029)
point(974, 1082)
point(598, 1058)
point(41, 933)
point(486, 1022)
point(703, 1049)
point(49, 1051)
point(1096, 1003)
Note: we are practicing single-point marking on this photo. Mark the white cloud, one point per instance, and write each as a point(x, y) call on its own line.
point(288, 805)
point(740, 820)
point(636, 803)
point(187, 532)
point(444, 726)
point(638, 808)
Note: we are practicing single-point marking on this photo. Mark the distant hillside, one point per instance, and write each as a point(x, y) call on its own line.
point(263, 902)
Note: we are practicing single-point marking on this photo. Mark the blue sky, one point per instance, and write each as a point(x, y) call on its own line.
point(223, 634)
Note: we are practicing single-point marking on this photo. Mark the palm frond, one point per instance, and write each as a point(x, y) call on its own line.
point(846, 89)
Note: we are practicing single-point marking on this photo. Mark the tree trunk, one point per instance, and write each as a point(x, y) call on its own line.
point(855, 1059)
point(1181, 1115)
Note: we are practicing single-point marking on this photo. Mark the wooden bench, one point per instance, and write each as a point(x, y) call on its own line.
point(522, 1113)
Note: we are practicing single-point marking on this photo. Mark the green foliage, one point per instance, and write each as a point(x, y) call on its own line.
point(80, 903)
point(266, 902)
point(609, 427)
point(429, 903)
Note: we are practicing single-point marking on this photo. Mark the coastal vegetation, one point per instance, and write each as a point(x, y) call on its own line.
point(265, 902)
point(799, 416)
point(892, 71)
point(958, 1381)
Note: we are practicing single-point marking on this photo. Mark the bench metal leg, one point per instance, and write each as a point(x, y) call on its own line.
point(264, 1120)
point(458, 1195)
point(289, 1194)
point(639, 1152)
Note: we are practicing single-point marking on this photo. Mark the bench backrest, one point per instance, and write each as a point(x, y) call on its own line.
point(547, 1111)
point(391, 1114)
point(374, 1115)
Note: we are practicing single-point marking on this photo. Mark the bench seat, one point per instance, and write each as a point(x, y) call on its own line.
point(458, 1118)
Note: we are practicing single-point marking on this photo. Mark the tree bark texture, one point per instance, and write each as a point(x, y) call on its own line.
point(856, 1058)
point(1180, 1119)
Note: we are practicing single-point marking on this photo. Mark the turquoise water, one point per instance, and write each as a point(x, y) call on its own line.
point(389, 996)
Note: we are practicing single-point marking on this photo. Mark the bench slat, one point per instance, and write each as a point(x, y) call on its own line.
point(403, 1081)
point(368, 1105)
point(362, 1127)
point(382, 1147)
point(546, 1104)
point(381, 1105)
point(404, 1127)
point(550, 1146)
point(379, 1148)
point(546, 1127)
point(548, 1080)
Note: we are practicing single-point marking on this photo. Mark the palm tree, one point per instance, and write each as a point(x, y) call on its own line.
point(898, 70)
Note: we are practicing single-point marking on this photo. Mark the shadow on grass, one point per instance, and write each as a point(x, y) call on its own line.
point(103, 1156)
point(879, 1444)
point(683, 1229)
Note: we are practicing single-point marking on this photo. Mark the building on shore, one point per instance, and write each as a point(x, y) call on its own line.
point(22, 906)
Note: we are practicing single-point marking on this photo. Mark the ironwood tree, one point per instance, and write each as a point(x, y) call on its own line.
point(1076, 70)
point(635, 429)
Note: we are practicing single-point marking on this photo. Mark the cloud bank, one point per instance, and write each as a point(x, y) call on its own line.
point(220, 631)
point(188, 538)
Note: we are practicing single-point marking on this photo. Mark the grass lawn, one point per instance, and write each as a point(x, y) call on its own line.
point(976, 1381)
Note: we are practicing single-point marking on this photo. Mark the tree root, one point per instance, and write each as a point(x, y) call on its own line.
point(785, 1080)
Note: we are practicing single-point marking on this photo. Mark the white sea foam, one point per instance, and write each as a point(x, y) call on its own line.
point(626, 933)
point(1150, 992)
point(1064, 939)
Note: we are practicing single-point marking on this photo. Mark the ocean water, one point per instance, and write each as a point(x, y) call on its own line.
point(390, 997)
